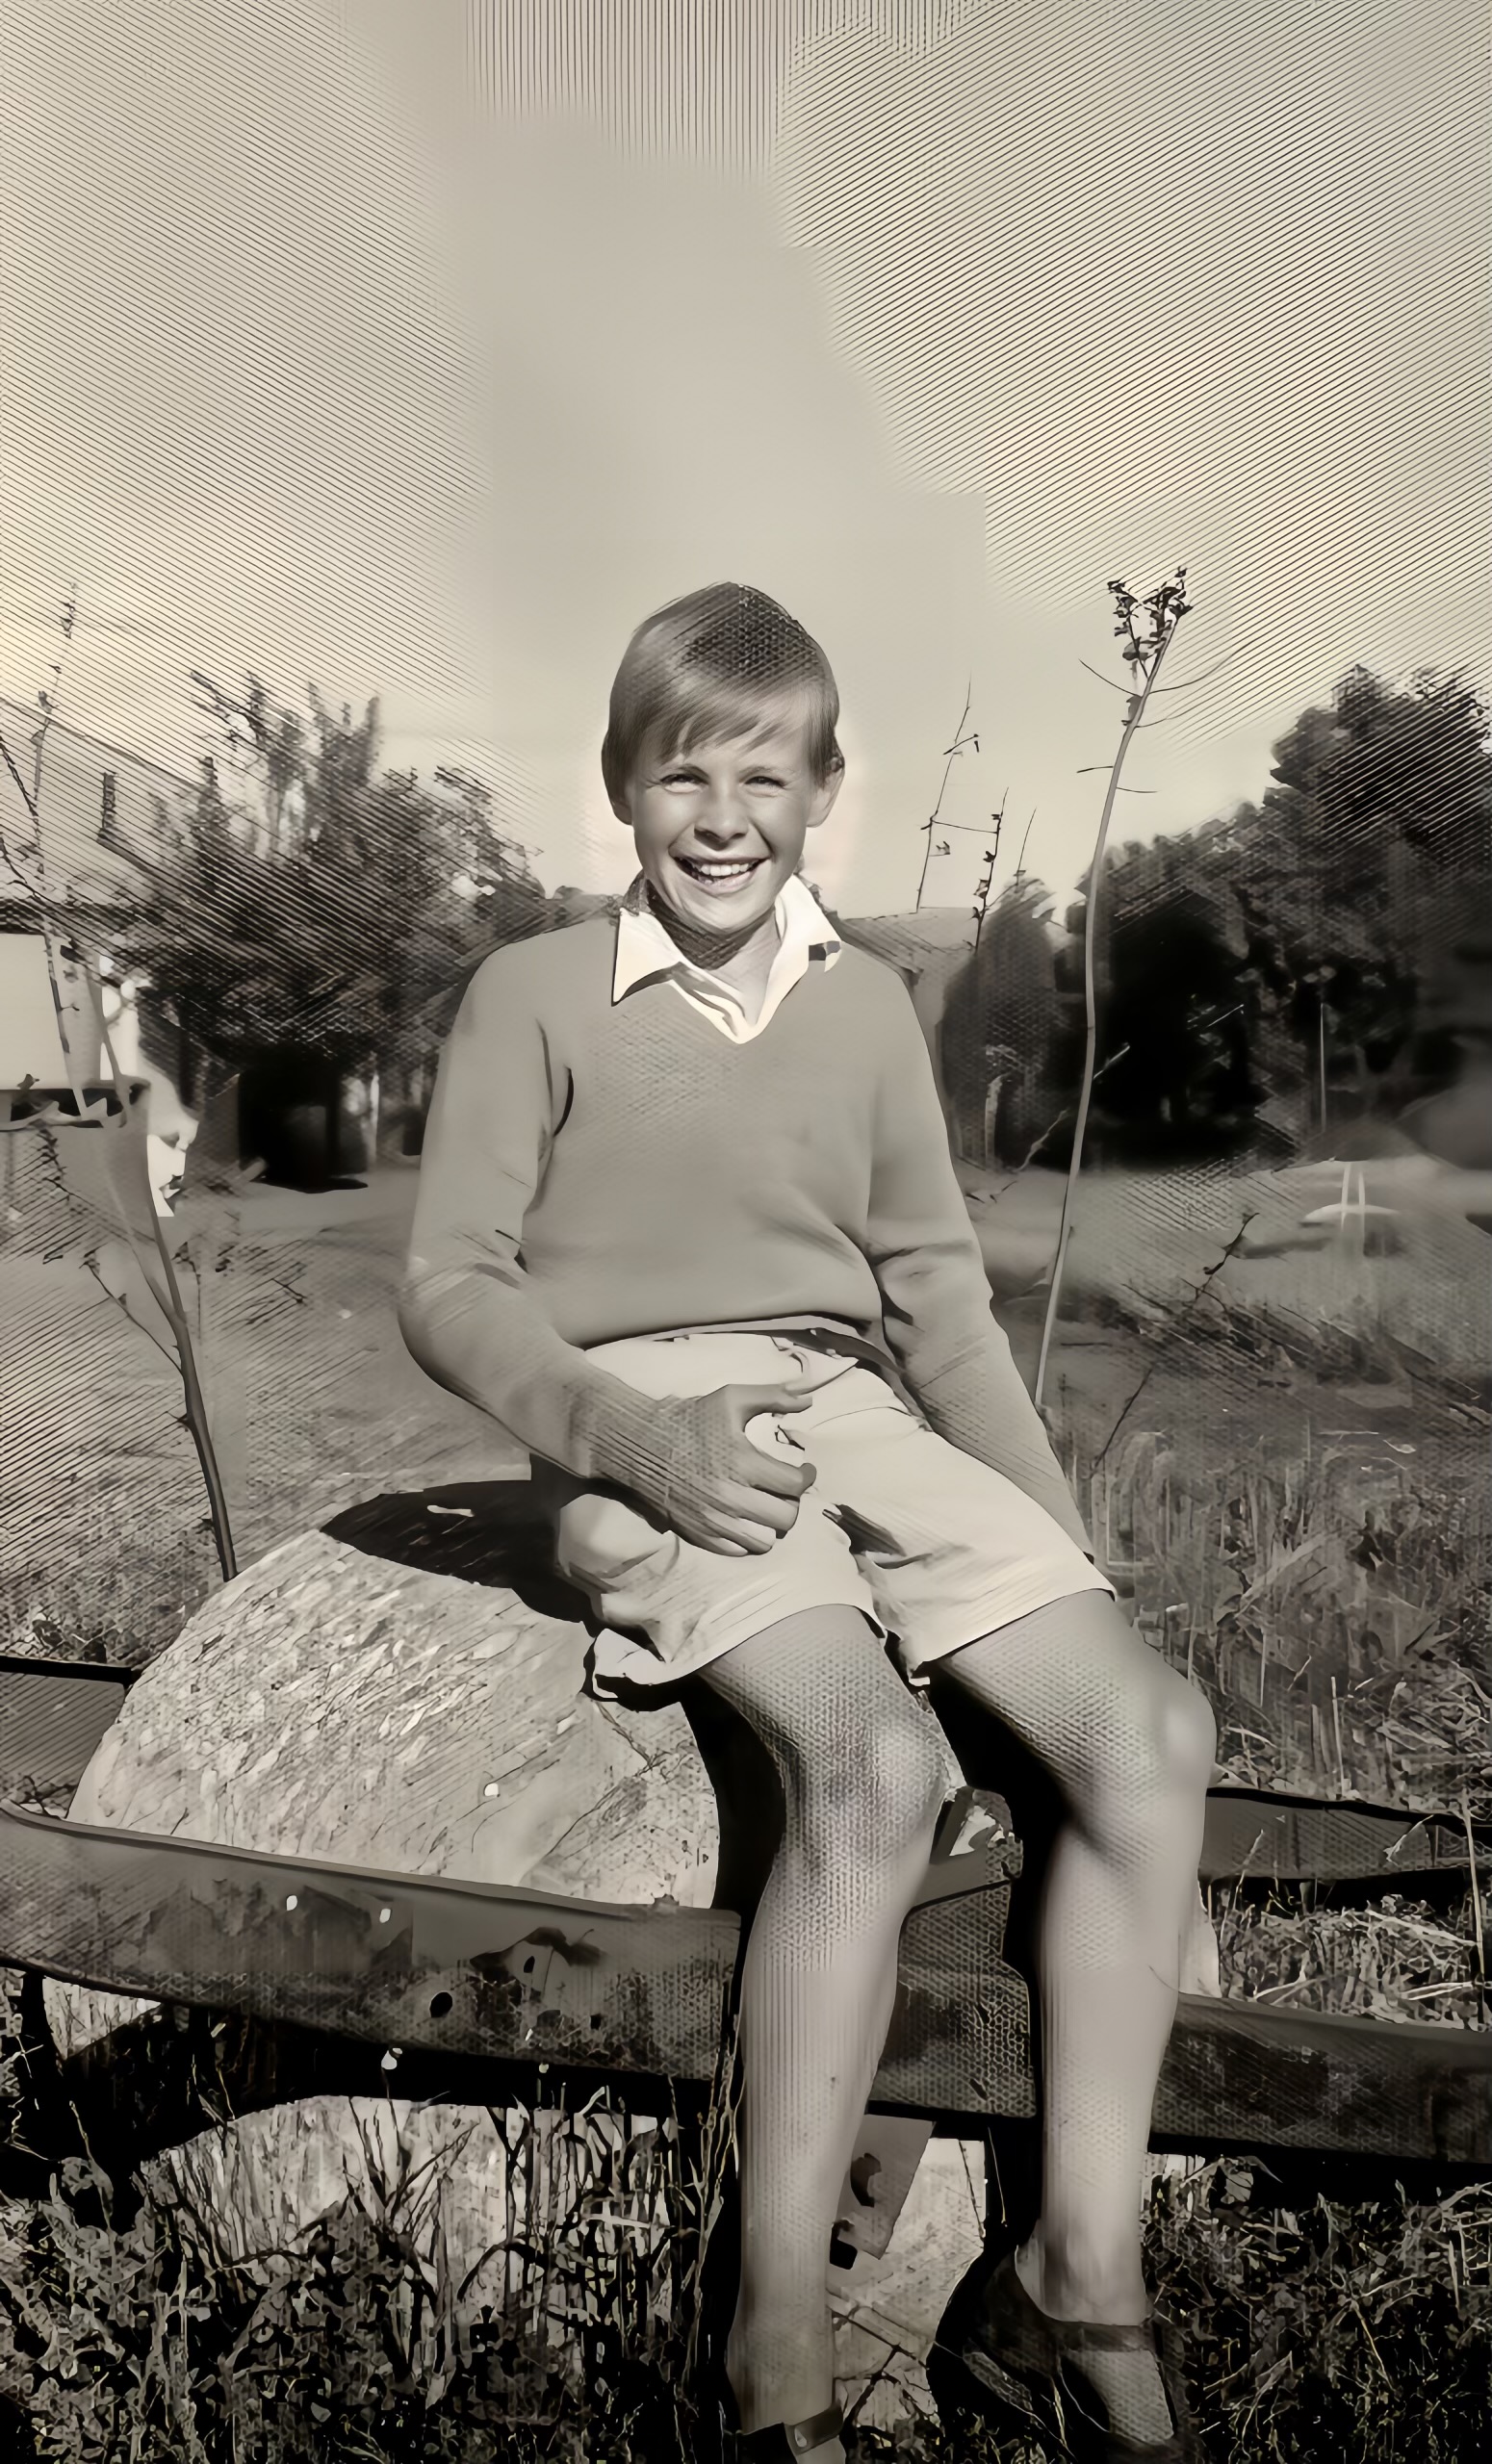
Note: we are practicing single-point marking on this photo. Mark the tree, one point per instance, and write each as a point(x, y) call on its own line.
point(999, 1022)
point(303, 899)
point(1360, 873)
point(1175, 1030)
point(1337, 923)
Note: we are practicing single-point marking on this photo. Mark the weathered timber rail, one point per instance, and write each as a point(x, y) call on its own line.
point(279, 1977)
point(448, 1977)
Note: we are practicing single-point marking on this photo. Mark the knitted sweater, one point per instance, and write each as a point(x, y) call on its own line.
point(595, 1170)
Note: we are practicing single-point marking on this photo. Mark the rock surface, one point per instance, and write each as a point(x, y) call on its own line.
point(339, 1704)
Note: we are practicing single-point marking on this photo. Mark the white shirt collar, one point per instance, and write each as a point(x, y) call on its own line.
point(645, 952)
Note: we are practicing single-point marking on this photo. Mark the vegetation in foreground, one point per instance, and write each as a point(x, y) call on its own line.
point(1361, 2329)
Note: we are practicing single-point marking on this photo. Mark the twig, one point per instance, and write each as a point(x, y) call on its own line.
point(1105, 680)
point(1186, 682)
point(168, 1293)
point(1475, 1896)
point(953, 750)
point(1200, 1292)
point(197, 1402)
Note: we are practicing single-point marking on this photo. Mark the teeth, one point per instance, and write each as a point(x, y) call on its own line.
point(717, 872)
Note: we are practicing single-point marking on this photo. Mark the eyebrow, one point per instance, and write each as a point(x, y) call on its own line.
point(690, 761)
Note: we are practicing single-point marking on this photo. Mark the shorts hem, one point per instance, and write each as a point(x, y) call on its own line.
point(992, 1622)
point(642, 1668)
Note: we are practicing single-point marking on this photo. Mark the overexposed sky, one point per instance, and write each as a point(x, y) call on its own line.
point(420, 351)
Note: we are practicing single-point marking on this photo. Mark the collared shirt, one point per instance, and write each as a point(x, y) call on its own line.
point(645, 953)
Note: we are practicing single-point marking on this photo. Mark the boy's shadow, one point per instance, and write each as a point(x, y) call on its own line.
point(492, 1532)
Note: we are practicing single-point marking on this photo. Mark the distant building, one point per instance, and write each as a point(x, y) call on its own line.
point(92, 794)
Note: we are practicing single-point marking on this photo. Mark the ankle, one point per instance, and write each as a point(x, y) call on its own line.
point(779, 2376)
point(1084, 2280)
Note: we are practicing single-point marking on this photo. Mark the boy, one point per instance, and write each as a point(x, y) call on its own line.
point(686, 1214)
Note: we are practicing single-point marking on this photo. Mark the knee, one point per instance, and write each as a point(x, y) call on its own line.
point(1189, 1747)
point(876, 1797)
point(1160, 1747)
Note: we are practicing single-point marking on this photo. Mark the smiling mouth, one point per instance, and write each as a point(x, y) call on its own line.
point(719, 874)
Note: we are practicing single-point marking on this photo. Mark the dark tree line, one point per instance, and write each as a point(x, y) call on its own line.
point(305, 900)
point(1337, 926)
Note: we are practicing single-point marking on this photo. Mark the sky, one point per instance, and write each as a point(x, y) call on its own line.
point(420, 352)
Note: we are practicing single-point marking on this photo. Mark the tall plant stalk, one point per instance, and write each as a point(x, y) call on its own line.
point(1147, 627)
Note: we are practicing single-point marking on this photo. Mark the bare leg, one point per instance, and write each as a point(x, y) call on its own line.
point(862, 1776)
point(1130, 1744)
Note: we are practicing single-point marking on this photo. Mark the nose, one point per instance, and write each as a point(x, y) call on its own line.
point(720, 823)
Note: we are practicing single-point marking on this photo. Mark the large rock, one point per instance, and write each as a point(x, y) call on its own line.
point(349, 1698)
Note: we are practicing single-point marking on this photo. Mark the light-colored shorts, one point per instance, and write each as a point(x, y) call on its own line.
point(932, 1547)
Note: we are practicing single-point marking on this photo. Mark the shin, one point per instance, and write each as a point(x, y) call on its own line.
point(862, 1776)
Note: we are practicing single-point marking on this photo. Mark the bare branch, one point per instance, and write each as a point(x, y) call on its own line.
point(1186, 681)
point(1167, 607)
point(1104, 679)
point(125, 1311)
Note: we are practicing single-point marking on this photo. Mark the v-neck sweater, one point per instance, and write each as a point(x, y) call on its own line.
point(597, 1168)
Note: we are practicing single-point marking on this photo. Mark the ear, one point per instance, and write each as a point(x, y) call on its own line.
point(824, 796)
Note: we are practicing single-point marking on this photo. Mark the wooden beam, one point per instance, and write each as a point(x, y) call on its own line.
point(53, 1714)
point(390, 1959)
point(1290, 1838)
point(1249, 2076)
point(462, 1974)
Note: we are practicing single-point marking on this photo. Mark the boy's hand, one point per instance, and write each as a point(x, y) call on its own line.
point(715, 1486)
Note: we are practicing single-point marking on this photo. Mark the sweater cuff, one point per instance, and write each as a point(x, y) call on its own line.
point(615, 1434)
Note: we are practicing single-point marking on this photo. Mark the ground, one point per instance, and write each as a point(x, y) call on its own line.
point(316, 1404)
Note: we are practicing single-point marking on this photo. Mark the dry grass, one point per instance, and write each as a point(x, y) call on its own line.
point(1337, 1620)
point(1340, 1630)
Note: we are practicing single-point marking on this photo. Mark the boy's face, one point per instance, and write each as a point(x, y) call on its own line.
point(721, 828)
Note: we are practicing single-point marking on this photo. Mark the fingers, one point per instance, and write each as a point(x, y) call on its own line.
point(746, 1403)
point(777, 1476)
point(745, 1504)
point(742, 1522)
point(756, 1546)
point(737, 1538)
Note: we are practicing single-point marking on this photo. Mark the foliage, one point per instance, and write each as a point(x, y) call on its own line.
point(1338, 1626)
point(1324, 2329)
point(1001, 1014)
point(1359, 885)
point(1359, 2329)
point(568, 2337)
point(303, 898)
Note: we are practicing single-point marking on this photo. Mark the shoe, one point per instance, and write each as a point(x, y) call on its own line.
point(777, 2443)
point(781, 2440)
point(724, 2442)
point(1028, 2362)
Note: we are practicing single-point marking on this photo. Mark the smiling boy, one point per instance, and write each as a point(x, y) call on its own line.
point(686, 1216)
point(707, 1115)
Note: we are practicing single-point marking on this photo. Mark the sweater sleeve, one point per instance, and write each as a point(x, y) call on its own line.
point(468, 1310)
point(938, 1314)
